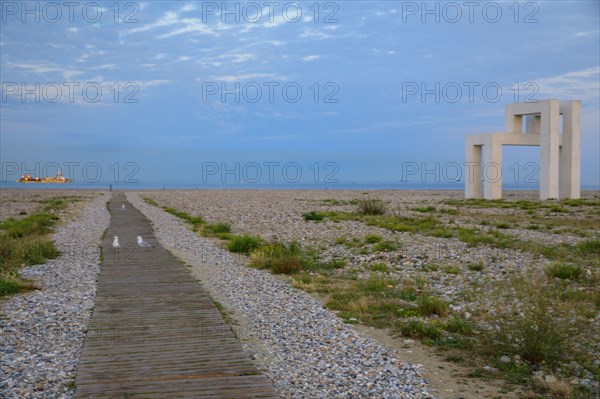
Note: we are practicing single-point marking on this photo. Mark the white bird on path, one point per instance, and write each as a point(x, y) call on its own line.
point(116, 244)
point(142, 243)
point(123, 207)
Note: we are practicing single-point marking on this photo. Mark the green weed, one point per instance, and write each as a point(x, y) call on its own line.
point(314, 216)
point(244, 244)
point(371, 206)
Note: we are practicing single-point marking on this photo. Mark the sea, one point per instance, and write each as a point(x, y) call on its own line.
point(349, 185)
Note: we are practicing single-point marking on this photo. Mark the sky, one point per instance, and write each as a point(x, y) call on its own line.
point(290, 92)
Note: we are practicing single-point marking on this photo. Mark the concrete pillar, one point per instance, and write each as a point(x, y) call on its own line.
point(492, 169)
point(549, 143)
point(473, 171)
point(512, 123)
point(570, 151)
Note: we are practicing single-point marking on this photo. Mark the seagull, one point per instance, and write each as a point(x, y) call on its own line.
point(142, 243)
point(123, 207)
point(116, 246)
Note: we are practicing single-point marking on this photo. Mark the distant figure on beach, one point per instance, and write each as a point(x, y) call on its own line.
point(142, 243)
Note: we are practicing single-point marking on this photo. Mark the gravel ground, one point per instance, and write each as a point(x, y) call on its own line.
point(18, 203)
point(42, 331)
point(468, 278)
point(278, 217)
point(305, 350)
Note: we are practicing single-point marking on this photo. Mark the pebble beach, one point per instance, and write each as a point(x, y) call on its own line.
point(305, 349)
point(42, 331)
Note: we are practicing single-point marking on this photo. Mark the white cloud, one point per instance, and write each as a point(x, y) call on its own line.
point(275, 22)
point(583, 85)
point(274, 137)
point(168, 19)
point(43, 68)
point(73, 29)
point(309, 58)
point(238, 57)
point(387, 125)
point(188, 7)
point(236, 78)
point(105, 66)
point(190, 25)
point(148, 83)
point(276, 43)
point(276, 114)
point(314, 34)
point(591, 32)
point(171, 18)
point(222, 26)
point(248, 27)
point(386, 12)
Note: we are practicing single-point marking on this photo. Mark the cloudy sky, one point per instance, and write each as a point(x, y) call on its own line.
point(347, 90)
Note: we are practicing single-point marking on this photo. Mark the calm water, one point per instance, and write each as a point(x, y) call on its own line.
point(266, 186)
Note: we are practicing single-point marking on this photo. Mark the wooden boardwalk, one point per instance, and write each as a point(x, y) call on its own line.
point(155, 333)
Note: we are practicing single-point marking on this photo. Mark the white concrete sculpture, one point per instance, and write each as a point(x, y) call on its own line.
point(560, 163)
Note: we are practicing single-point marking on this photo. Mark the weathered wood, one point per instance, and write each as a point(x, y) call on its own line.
point(154, 332)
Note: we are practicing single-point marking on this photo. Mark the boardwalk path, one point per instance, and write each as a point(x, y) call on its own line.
point(154, 332)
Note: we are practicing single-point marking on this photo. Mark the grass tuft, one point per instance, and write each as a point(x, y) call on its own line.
point(564, 271)
point(420, 329)
point(373, 285)
point(195, 221)
point(380, 267)
point(11, 283)
point(544, 332)
point(220, 230)
point(314, 216)
point(386, 246)
point(424, 209)
point(430, 305)
point(278, 258)
point(588, 248)
point(36, 224)
point(372, 238)
point(23, 242)
point(371, 206)
point(476, 266)
point(244, 244)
